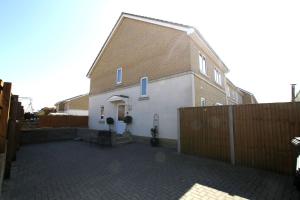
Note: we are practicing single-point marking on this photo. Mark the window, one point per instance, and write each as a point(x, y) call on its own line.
point(202, 101)
point(119, 75)
point(144, 86)
point(202, 64)
point(102, 112)
point(228, 91)
point(218, 77)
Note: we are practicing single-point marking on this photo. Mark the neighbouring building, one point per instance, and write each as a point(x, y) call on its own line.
point(78, 105)
point(148, 68)
point(297, 97)
point(236, 95)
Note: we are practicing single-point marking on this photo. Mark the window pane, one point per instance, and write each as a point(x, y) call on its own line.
point(204, 66)
point(144, 86)
point(200, 62)
point(119, 75)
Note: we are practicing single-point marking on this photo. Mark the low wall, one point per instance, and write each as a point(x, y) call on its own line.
point(41, 135)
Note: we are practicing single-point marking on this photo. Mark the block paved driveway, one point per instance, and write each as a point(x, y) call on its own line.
point(77, 170)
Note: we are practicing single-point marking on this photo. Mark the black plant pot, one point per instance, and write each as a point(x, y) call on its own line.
point(154, 142)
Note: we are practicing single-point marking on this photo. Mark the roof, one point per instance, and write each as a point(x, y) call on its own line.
point(72, 98)
point(249, 93)
point(191, 31)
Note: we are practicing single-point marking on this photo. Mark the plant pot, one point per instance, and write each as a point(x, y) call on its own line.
point(154, 142)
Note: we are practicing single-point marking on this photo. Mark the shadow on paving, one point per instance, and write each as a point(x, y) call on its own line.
point(78, 170)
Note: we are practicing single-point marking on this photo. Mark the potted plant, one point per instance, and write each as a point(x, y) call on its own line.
point(127, 121)
point(154, 141)
point(110, 121)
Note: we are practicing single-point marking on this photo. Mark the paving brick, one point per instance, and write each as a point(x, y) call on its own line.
point(80, 171)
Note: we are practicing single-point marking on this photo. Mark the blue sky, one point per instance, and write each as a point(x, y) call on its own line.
point(47, 47)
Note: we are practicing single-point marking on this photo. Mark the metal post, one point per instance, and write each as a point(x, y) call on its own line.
point(231, 134)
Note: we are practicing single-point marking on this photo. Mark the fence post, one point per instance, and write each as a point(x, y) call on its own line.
point(231, 134)
point(5, 104)
point(5, 93)
point(11, 135)
point(178, 131)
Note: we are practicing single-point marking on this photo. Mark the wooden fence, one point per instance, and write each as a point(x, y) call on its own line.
point(63, 121)
point(256, 135)
point(11, 112)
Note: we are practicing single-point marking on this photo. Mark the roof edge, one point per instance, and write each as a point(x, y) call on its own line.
point(72, 98)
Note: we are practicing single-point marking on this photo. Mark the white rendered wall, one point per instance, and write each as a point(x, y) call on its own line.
point(77, 112)
point(165, 97)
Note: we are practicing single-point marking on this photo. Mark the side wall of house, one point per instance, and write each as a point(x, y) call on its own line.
point(205, 85)
point(141, 49)
point(80, 103)
point(209, 91)
point(165, 97)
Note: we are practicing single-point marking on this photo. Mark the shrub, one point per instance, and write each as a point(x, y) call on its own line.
point(128, 119)
point(110, 120)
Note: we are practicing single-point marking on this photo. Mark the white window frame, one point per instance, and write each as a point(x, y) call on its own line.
point(141, 87)
point(202, 64)
point(218, 76)
point(121, 75)
point(202, 102)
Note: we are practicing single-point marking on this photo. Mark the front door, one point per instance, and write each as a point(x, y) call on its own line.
point(120, 125)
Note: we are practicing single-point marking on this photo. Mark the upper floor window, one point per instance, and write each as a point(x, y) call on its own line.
point(144, 86)
point(119, 75)
point(202, 101)
point(202, 64)
point(218, 77)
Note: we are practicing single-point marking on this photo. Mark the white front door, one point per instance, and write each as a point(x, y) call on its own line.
point(120, 125)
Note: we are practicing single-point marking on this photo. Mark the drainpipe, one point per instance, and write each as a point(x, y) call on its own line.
point(293, 92)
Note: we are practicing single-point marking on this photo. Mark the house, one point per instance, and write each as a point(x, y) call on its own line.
point(78, 105)
point(148, 68)
point(236, 95)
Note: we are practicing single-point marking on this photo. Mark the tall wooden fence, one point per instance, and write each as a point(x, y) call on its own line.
point(11, 112)
point(63, 121)
point(257, 135)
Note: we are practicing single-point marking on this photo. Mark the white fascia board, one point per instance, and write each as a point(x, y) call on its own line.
point(160, 23)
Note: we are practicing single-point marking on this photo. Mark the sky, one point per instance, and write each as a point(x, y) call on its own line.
point(47, 47)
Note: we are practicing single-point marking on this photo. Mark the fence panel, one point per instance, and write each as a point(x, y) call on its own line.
point(262, 134)
point(63, 121)
point(205, 132)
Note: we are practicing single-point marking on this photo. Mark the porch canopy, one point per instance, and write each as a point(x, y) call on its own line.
point(118, 99)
